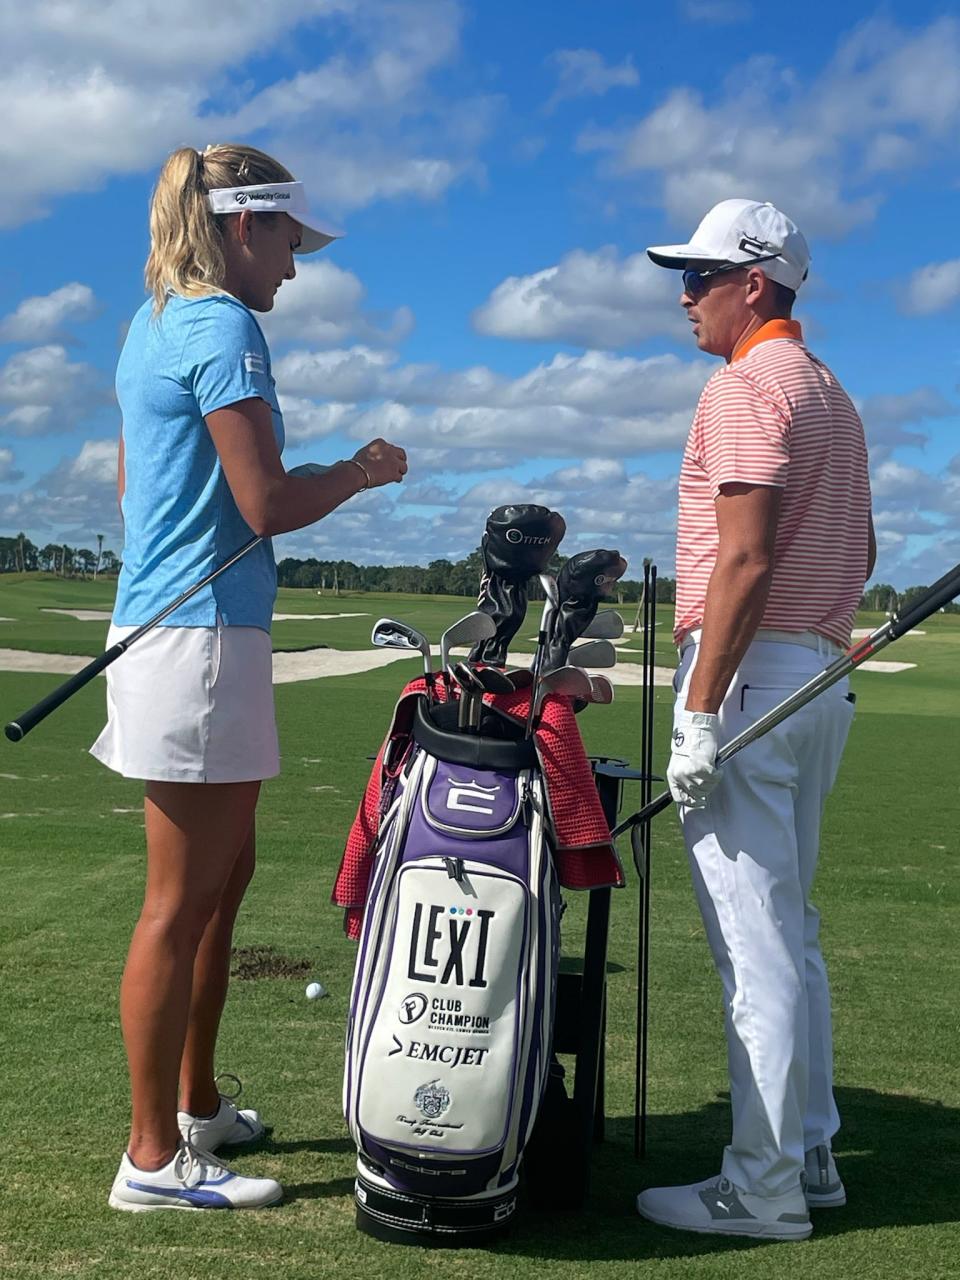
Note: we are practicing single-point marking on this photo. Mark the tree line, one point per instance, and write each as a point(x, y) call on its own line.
point(20, 555)
point(440, 577)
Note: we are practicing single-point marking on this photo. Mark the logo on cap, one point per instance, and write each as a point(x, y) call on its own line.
point(240, 197)
point(750, 244)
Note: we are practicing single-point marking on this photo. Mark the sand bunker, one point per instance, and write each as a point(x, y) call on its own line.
point(55, 663)
point(314, 664)
point(889, 667)
point(859, 632)
point(315, 617)
point(101, 615)
point(83, 615)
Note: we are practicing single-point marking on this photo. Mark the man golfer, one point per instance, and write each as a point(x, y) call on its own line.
point(775, 541)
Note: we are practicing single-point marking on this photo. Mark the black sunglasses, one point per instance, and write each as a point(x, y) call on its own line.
point(695, 282)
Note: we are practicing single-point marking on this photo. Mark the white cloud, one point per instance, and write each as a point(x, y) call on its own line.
point(355, 374)
point(305, 420)
point(572, 404)
point(148, 37)
point(8, 471)
point(603, 504)
point(324, 306)
point(96, 463)
point(932, 288)
point(98, 91)
point(74, 501)
point(907, 490)
point(531, 432)
point(585, 73)
point(460, 461)
point(44, 319)
point(810, 148)
point(886, 417)
point(47, 393)
point(591, 299)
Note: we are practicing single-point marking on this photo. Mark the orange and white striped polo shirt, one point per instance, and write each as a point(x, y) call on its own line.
point(777, 416)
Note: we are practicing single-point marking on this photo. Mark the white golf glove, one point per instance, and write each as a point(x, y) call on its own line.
point(691, 773)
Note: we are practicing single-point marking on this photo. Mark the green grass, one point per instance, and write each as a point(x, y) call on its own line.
point(71, 862)
point(25, 597)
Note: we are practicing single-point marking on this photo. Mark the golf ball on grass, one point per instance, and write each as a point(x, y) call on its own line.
point(315, 990)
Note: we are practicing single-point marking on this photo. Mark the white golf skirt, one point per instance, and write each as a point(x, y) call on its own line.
point(191, 704)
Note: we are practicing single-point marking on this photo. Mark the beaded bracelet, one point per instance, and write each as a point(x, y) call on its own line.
point(364, 472)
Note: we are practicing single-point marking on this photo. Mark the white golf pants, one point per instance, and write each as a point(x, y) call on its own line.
point(753, 853)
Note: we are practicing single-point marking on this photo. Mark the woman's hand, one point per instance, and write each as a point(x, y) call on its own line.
point(384, 463)
point(273, 501)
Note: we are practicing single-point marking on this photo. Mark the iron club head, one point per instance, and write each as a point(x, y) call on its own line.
point(593, 654)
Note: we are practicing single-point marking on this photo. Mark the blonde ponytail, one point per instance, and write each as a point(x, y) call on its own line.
point(186, 239)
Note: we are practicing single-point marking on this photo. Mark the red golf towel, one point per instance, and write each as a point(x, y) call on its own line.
point(585, 854)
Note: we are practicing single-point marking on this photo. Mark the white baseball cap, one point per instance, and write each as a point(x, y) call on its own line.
point(743, 231)
point(276, 197)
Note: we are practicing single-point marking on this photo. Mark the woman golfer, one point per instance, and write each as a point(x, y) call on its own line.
point(190, 707)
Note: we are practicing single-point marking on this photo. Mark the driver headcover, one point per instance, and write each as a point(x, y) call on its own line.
point(517, 543)
point(581, 584)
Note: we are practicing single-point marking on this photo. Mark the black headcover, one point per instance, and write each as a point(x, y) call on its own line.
point(581, 584)
point(517, 543)
point(520, 539)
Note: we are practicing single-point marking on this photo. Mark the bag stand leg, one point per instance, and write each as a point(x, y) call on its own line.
point(581, 1026)
point(589, 1083)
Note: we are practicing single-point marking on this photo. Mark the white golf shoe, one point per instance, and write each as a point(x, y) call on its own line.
point(822, 1184)
point(191, 1180)
point(717, 1205)
point(227, 1127)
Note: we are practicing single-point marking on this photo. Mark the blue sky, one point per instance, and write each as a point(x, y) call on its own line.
point(499, 168)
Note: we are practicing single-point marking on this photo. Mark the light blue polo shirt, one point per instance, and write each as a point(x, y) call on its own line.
point(180, 519)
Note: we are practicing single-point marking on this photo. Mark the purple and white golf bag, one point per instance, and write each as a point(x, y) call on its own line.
point(452, 1010)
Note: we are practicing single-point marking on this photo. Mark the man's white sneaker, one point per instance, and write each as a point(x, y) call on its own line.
point(192, 1180)
point(227, 1127)
point(716, 1205)
point(821, 1181)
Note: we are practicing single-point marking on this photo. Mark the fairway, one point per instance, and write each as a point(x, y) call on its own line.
point(72, 866)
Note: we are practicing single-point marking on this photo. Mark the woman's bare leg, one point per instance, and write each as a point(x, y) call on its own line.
point(195, 832)
point(211, 974)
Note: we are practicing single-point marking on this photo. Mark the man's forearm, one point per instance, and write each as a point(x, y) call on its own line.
point(736, 598)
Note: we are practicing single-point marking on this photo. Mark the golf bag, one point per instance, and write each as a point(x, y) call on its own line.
point(454, 991)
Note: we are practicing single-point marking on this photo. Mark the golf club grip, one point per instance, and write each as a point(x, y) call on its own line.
point(18, 729)
point(942, 592)
point(642, 815)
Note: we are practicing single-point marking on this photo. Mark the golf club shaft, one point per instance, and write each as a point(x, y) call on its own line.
point(942, 592)
point(641, 836)
point(18, 729)
point(546, 619)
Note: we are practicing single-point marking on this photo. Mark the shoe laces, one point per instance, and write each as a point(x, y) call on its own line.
point(191, 1166)
point(228, 1075)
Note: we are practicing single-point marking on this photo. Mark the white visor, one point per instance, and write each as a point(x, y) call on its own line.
point(276, 197)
